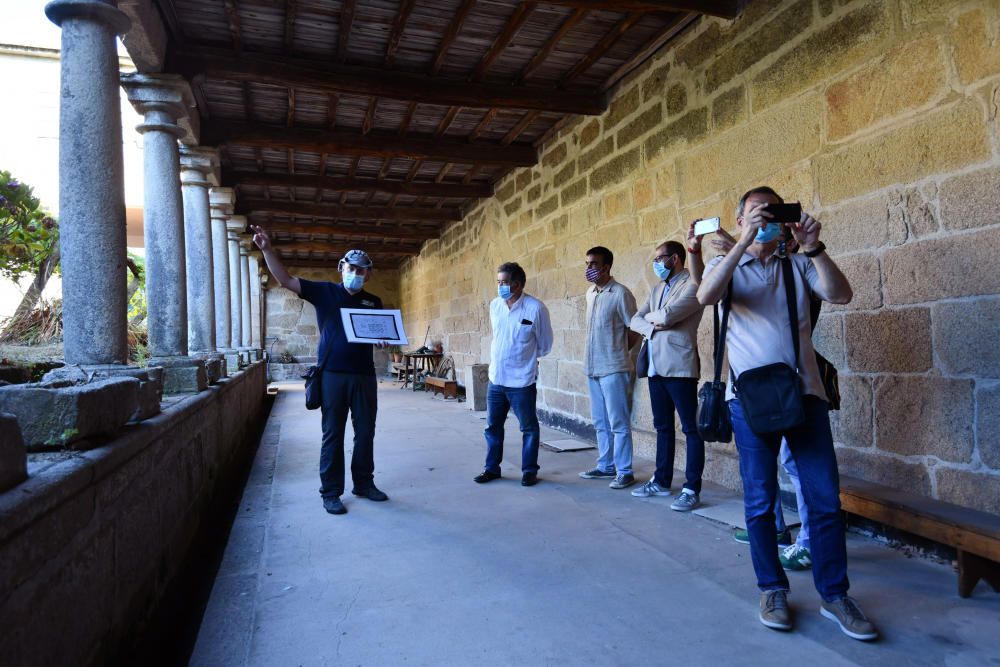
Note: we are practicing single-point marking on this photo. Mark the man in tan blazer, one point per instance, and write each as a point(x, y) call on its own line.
point(668, 323)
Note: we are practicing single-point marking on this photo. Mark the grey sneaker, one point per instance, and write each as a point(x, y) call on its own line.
point(334, 506)
point(774, 610)
point(597, 473)
point(850, 618)
point(685, 502)
point(651, 488)
point(623, 481)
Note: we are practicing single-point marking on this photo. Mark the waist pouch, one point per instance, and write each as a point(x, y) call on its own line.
point(771, 397)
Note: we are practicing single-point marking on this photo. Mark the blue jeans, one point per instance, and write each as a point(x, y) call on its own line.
point(500, 400)
point(666, 394)
point(811, 447)
point(609, 408)
point(788, 463)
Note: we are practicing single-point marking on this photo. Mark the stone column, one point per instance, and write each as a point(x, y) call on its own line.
point(221, 201)
point(234, 227)
point(256, 305)
point(199, 171)
point(91, 183)
point(163, 100)
point(246, 335)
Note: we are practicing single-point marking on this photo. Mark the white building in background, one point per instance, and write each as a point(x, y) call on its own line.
point(29, 124)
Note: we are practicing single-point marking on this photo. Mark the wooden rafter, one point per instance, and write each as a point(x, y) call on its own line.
point(406, 234)
point(550, 44)
point(331, 111)
point(369, 122)
point(310, 74)
point(233, 19)
point(381, 261)
point(514, 23)
point(232, 178)
point(727, 9)
point(375, 143)
point(346, 23)
point(599, 49)
point(338, 212)
point(289, 25)
point(680, 22)
point(405, 7)
point(449, 36)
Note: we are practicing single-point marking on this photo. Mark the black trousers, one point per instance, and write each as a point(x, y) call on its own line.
point(357, 394)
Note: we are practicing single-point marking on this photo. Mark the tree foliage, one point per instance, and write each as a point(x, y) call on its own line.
point(28, 235)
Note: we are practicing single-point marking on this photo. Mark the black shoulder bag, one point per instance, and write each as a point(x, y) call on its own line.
point(827, 371)
point(771, 396)
point(314, 383)
point(714, 424)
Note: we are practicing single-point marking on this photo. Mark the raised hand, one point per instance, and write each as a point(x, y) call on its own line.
point(753, 220)
point(260, 237)
point(806, 231)
point(723, 242)
point(694, 242)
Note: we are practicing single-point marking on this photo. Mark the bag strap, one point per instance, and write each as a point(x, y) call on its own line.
point(793, 306)
point(719, 334)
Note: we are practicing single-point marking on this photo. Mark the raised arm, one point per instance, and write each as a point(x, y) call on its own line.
point(832, 284)
point(713, 286)
point(697, 264)
point(274, 263)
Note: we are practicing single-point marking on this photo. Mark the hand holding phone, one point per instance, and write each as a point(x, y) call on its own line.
point(707, 226)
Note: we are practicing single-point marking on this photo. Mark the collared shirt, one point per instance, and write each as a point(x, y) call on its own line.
point(339, 355)
point(670, 282)
point(759, 333)
point(609, 310)
point(521, 334)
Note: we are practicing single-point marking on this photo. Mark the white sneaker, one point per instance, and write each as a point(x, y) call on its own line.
point(650, 488)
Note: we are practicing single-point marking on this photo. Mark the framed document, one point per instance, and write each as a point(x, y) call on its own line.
point(365, 325)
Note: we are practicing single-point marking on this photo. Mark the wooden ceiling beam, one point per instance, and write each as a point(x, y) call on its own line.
point(373, 144)
point(449, 36)
point(398, 24)
point(550, 44)
point(301, 73)
point(346, 23)
point(233, 19)
point(289, 25)
point(672, 29)
point(602, 46)
point(381, 261)
point(339, 247)
point(727, 9)
point(385, 231)
point(514, 24)
point(231, 178)
point(338, 212)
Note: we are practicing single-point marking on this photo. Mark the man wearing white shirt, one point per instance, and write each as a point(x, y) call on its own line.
point(522, 333)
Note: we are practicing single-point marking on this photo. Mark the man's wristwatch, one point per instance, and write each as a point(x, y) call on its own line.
point(815, 251)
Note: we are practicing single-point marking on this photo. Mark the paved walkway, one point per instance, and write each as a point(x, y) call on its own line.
point(568, 572)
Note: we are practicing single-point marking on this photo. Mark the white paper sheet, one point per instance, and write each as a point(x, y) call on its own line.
point(366, 325)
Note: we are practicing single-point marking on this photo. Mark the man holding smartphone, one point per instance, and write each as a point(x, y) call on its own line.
point(759, 335)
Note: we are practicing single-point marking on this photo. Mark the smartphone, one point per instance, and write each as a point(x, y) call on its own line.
point(708, 226)
point(785, 212)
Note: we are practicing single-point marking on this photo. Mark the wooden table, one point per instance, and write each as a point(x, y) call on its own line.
point(413, 362)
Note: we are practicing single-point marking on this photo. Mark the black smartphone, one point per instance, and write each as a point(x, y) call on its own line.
point(785, 212)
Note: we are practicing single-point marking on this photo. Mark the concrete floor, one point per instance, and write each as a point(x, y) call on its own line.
point(568, 572)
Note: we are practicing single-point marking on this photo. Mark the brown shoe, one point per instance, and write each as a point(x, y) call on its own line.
point(848, 615)
point(774, 610)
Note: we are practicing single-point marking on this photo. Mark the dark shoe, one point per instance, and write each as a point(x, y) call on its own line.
point(371, 494)
point(597, 473)
point(485, 476)
point(334, 506)
point(529, 479)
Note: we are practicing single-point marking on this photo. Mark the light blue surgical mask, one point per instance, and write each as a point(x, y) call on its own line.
point(768, 232)
point(661, 270)
point(503, 291)
point(353, 281)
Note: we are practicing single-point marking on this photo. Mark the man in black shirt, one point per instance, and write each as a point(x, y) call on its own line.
point(348, 382)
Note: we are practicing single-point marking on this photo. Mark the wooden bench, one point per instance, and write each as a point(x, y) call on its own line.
point(447, 387)
point(974, 535)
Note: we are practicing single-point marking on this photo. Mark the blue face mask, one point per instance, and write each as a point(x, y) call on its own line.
point(503, 291)
point(661, 270)
point(353, 281)
point(768, 232)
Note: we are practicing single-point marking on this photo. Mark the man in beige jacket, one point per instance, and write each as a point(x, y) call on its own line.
point(668, 323)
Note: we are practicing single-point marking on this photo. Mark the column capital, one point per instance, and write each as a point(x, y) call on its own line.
point(221, 202)
point(235, 225)
point(199, 166)
point(103, 12)
point(167, 102)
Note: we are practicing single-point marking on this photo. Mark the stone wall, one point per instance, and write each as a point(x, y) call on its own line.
point(881, 117)
point(92, 540)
